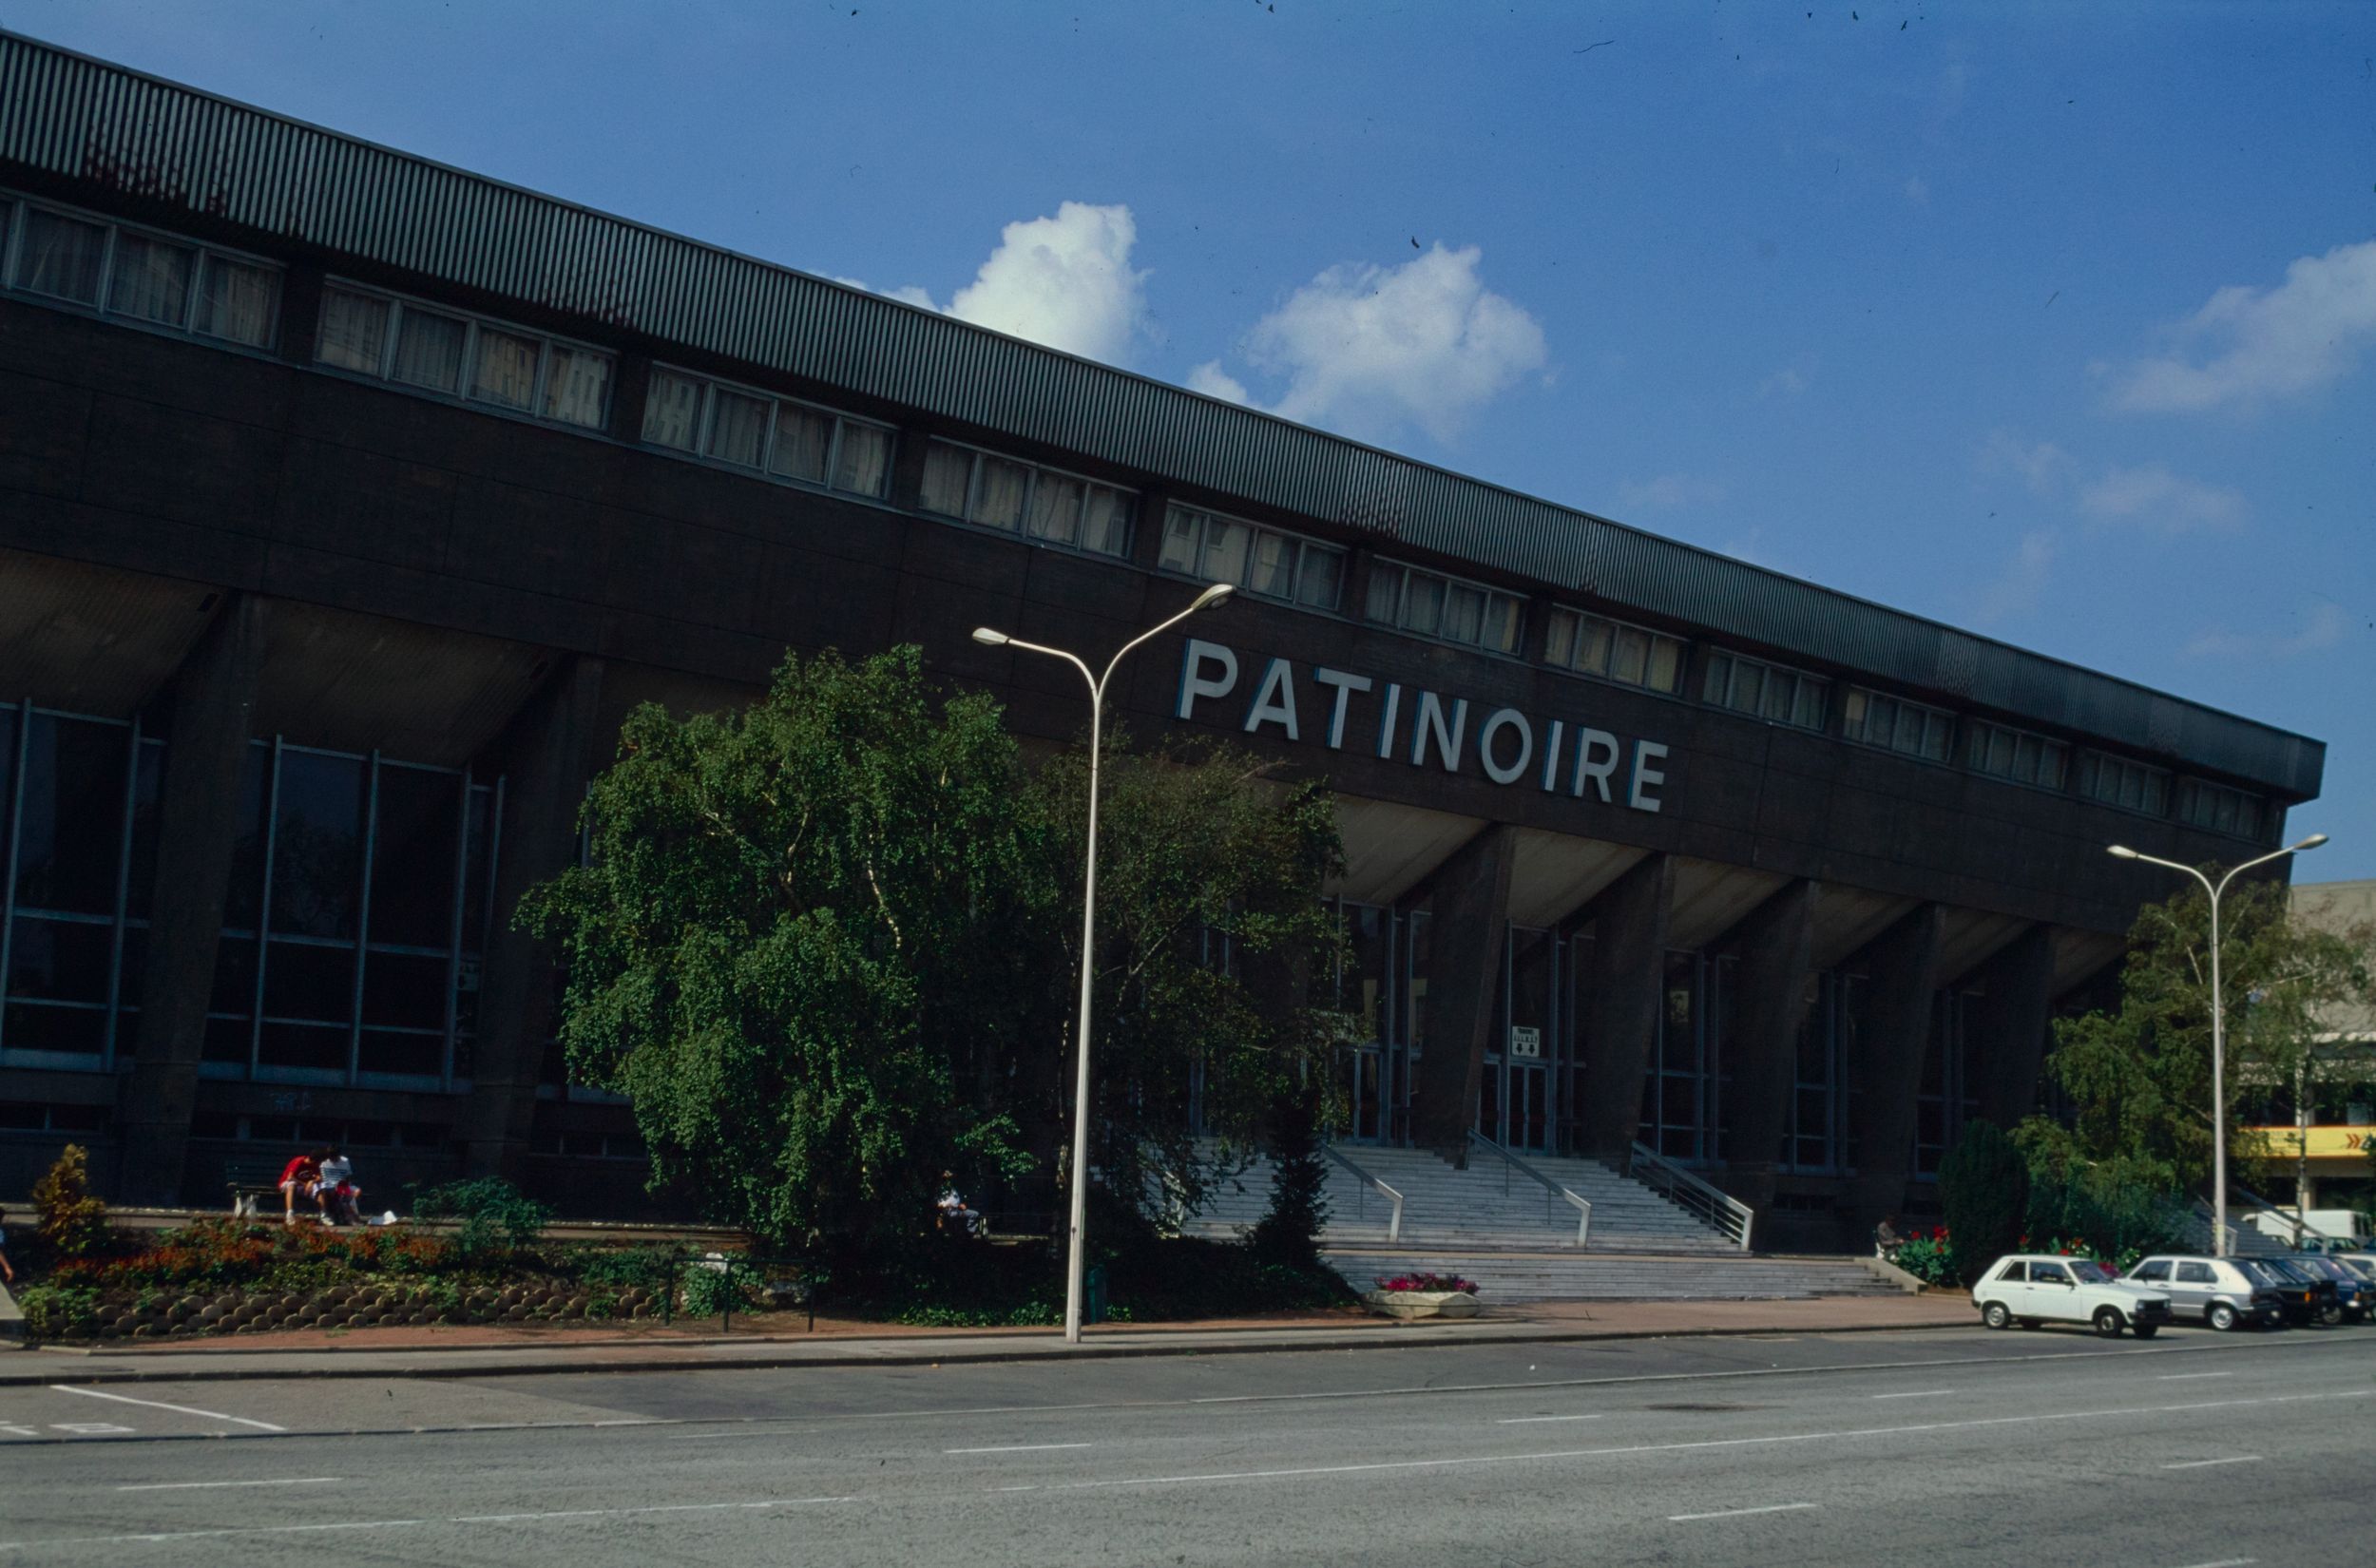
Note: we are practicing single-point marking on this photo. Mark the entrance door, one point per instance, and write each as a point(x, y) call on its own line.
point(1368, 1094)
point(1529, 1125)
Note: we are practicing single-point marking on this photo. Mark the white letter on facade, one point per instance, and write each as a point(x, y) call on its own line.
point(1551, 755)
point(1598, 768)
point(1346, 686)
point(1431, 719)
point(1192, 682)
point(1386, 720)
point(1275, 702)
point(1646, 752)
point(1502, 719)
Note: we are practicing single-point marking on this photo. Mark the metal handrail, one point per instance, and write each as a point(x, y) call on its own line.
point(1719, 1209)
point(1556, 1190)
point(1395, 1222)
point(2300, 1226)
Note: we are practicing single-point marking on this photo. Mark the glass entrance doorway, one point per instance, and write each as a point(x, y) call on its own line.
point(1528, 1097)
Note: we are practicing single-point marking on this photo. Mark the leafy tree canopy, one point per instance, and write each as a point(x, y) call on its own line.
point(827, 946)
point(2138, 1076)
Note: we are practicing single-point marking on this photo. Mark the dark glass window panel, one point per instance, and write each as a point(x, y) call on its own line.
point(304, 981)
point(475, 864)
point(1055, 512)
point(127, 1031)
point(8, 718)
point(141, 879)
point(1322, 584)
point(465, 996)
point(226, 1040)
point(737, 427)
point(998, 499)
point(62, 256)
point(71, 832)
point(1105, 522)
point(243, 899)
point(353, 334)
point(947, 474)
point(1183, 534)
point(412, 860)
point(59, 960)
point(71, 1031)
point(236, 302)
point(429, 349)
point(151, 280)
point(863, 465)
point(465, 1055)
point(387, 1051)
point(303, 1046)
point(804, 441)
point(404, 990)
point(318, 844)
point(235, 976)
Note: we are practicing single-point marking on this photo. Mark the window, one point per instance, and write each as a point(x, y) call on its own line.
point(2153, 1270)
point(1434, 605)
point(1895, 724)
point(2016, 755)
point(2131, 786)
point(2049, 1273)
point(2196, 1273)
point(1633, 655)
point(1045, 505)
point(2220, 807)
point(394, 339)
point(1260, 561)
point(756, 429)
point(135, 275)
point(1766, 691)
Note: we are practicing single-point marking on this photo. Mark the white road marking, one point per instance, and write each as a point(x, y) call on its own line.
point(1917, 1394)
point(91, 1428)
point(2206, 1463)
point(200, 1485)
point(19, 1431)
point(1736, 1513)
point(1528, 1420)
point(1465, 1461)
point(2226, 1562)
point(161, 1404)
point(409, 1524)
point(1017, 1449)
point(2181, 1377)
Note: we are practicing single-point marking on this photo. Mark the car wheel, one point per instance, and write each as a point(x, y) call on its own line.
point(2330, 1316)
point(2108, 1322)
point(2145, 1330)
point(2221, 1316)
point(1995, 1315)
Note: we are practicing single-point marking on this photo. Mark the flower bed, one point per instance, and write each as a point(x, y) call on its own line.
point(1423, 1295)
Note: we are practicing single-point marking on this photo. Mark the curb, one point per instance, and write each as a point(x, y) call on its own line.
point(1375, 1339)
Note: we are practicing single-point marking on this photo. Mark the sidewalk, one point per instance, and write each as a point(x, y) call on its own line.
point(493, 1352)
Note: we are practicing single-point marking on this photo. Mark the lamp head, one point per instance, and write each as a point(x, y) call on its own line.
point(2311, 843)
point(1214, 596)
point(995, 640)
point(2118, 850)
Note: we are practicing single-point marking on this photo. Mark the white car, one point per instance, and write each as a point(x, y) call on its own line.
point(2030, 1289)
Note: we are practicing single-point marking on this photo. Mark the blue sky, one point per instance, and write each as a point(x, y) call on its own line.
point(2055, 322)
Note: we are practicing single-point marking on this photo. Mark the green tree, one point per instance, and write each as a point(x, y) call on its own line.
point(2138, 1076)
point(1289, 1230)
point(1984, 1191)
point(68, 1219)
point(804, 944)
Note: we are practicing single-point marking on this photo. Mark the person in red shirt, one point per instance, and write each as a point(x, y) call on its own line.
point(297, 1180)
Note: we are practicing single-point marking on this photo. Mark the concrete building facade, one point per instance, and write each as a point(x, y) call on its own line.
point(347, 502)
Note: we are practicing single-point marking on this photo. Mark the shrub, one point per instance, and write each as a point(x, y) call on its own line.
point(1983, 1189)
point(59, 1311)
point(70, 1221)
point(494, 1215)
point(1287, 1232)
point(1930, 1258)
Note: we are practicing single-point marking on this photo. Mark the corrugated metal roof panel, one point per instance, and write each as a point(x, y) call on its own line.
point(87, 120)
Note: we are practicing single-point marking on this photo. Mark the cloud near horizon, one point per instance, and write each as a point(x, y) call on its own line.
point(1368, 350)
point(1064, 281)
point(2324, 629)
point(2258, 345)
point(2160, 499)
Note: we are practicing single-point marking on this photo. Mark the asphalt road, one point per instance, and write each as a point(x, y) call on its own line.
point(1932, 1447)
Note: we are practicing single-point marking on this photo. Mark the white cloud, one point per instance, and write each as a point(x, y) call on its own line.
point(1064, 281)
point(2265, 343)
point(1210, 379)
point(1791, 380)
point(2042, 465)
point(2022, 584)
point(2160, 499)
point(1916, 191)
point(1668, 491)
point(2324, 629)
point(1368, 350)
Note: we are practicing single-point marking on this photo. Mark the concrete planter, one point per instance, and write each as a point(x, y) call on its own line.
point(1410, 1305)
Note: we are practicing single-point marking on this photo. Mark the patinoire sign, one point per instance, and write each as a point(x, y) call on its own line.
point(1421, 727)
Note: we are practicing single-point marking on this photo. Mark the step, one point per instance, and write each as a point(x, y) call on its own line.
point(1511, 1278)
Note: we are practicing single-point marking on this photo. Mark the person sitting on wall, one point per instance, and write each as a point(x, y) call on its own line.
point(953, 1209)
point(1885, 1237)
point(298, 1179)
point(335, 1191)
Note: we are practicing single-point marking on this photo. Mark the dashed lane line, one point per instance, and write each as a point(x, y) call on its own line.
point(1530, 1421)
point(1019, 1448)
point(2207, 1464)
point(55, 1541)
point(1915, 1393)
point(203, 1485)
point(1743, 1513)
point(161, 1404)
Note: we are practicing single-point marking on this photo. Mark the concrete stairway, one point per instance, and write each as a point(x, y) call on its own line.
point(1505, 1278)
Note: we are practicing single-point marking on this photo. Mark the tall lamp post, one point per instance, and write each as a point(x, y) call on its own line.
point(2218, 1021)
point(1205, 601)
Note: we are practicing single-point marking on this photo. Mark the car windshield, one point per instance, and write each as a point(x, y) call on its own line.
point(2259, 1271)
point(2092, 1274)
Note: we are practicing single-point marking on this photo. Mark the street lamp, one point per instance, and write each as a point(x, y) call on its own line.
point(2218, 1021)
point(1205, 601)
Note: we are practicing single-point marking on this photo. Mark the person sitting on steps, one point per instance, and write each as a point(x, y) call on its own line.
point(299, 1180)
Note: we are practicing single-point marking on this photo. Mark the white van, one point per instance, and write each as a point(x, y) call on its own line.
point(2317, 1225)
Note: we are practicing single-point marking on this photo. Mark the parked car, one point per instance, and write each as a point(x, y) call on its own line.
point(2030, 1289)
point(2364, 1263)
point(2355, 1295)
point(2305, 1297)
point(2216, 1291)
